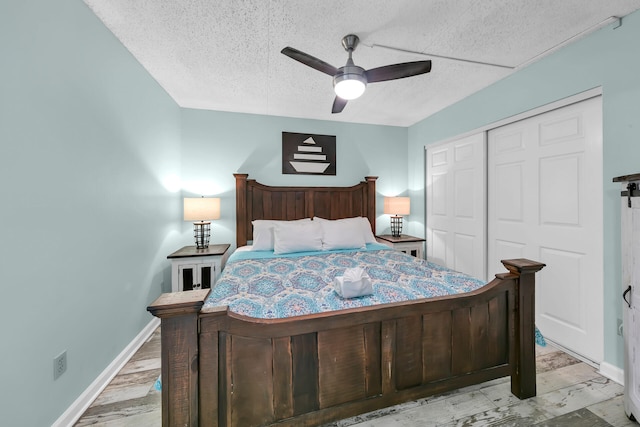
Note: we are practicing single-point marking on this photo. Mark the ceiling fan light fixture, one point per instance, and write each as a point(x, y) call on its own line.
point(349, 86)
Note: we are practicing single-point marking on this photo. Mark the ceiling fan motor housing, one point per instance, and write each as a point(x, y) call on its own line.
point(350, 81)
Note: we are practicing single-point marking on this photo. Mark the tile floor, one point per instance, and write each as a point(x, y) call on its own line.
point(570, 393)
point(131, 398)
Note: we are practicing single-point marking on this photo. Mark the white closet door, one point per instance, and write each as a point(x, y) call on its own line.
point(545, 203)
point(456, 205)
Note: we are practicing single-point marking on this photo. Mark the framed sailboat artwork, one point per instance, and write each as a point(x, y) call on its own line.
point(309, 154)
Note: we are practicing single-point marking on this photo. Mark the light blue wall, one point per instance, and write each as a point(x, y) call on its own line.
point(609, 58)
point(215, 145)
point(87, 139)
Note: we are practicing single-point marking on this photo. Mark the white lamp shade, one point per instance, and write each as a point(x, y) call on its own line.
point(351, 87)
point(201, 208)
point(397, 205)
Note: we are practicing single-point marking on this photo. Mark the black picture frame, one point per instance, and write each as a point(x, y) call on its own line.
point(308, 154)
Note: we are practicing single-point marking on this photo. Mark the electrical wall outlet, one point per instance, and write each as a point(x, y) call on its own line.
point(59, 365)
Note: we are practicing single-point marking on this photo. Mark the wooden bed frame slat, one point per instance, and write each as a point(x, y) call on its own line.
point(435, 348)
point(223, 369)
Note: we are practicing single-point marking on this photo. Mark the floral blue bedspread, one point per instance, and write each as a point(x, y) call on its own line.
point(279, 287)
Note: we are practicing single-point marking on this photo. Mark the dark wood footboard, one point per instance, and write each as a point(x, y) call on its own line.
point(221, 369)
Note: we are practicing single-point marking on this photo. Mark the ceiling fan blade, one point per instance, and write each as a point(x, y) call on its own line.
point(397, 71)
point(310, 61)
point(338, 105)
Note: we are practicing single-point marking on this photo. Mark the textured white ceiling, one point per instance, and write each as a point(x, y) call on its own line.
point(225, 54)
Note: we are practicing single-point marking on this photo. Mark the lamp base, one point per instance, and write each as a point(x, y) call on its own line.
point(201, 233)
point(396, 225)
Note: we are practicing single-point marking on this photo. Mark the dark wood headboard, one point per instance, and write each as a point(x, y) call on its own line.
point(258, 201)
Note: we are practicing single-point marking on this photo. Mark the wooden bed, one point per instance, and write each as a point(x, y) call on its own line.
point(223, 369)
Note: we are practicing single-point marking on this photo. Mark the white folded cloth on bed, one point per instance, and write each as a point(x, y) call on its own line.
point(355, 282)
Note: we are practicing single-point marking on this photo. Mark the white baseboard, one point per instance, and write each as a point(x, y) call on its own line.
point(82, 403)
point(612, 372)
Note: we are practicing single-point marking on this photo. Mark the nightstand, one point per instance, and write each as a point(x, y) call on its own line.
point(413, 246)
point(193, 268)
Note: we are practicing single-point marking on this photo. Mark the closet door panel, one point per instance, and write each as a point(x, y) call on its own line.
point(545, 203)
point(456, 204)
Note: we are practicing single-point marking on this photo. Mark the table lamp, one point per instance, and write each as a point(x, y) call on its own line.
point(396, 207)
point(201, 210)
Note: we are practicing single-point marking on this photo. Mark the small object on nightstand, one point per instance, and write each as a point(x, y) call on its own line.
point(193, 268)
point(201, 210)
point(396, 207)
point(411, 245)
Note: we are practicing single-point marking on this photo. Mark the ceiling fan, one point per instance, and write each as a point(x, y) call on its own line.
point(350, 81)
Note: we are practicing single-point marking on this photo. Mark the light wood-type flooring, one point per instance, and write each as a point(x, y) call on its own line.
point(570, 393)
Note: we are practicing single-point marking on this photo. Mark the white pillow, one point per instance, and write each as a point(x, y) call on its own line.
point(298, 236)
point(263, 232)
point(341, 234)
point(357, 221)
